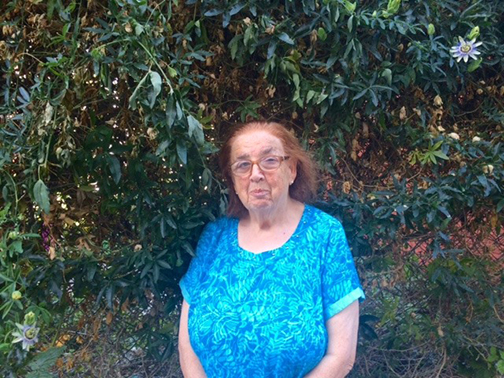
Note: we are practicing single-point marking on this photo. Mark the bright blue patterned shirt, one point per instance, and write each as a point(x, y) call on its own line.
point(263, 315)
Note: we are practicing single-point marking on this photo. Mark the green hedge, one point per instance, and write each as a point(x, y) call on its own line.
point(112, 112)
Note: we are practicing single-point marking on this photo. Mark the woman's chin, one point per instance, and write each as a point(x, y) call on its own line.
point(259, 204)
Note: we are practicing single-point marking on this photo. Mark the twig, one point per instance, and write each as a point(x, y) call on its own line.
point(443, 363)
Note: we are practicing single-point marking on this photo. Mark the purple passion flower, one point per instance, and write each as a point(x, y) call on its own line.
point(28, 334)
point(465, 50)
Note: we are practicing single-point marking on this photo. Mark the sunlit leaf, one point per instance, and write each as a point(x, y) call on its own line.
point(182, 152)
point(156, 81)
point(41, 194)
point(285, 38)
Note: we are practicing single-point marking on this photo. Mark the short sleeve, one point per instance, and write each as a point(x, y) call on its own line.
point(199, 264)
point(340, 282)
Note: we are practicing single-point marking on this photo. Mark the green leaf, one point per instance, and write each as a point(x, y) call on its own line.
point(171, 111)
point(155, 272)
point(41, 194)
point(233, 45)
point(441, 155)
point(16, 246)
point(196, 129)
point(6, 307)
point(206, 177)
point(134, 95)
point(146, 269)
point(213, 12)
point(170, 221)
point(271, 50)
point(50, 8)
point(474, 65)
point(43, 361)
point(309, 95)
point(321, 97)
point(5, 278)
point(182, 152)
point(484, 182)
point(156, 81)
point(188, 248)
point(248, 35)
point(360, 94)
point(285, 38)
point(500, 366)
point(164, 264)
point(24, 94)
point(114, 167)
point(138, 29)
point(172, 72)
point(387, 74)
point(500, 205)
point(162, 228)
point(350, 23)
point(321, 33)
point(236, 8)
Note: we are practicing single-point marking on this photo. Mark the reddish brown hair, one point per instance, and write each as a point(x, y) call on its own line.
point(304, 187)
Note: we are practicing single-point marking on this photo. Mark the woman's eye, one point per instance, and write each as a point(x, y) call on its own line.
point(270, 161)
point(243, 165)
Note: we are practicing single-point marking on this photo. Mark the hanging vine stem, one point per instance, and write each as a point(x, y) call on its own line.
point(14, 187)
point(46, 157)
point(158, 66)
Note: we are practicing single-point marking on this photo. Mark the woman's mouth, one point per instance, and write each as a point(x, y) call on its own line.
point(258, 192)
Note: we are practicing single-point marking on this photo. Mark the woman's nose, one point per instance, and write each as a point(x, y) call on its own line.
point(256, 172)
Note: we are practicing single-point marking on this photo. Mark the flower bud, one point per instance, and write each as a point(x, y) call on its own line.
point(393, 6)
point(488, 169)
point(431, 29)
point(374, 14)
point(16, 295)
point(476, 139)
point(475, 32)
point(350, 7)
point(31, 333)
point(29, 318)
point(454, 136)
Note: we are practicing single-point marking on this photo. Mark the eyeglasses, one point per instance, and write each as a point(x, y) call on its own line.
point(266, 164)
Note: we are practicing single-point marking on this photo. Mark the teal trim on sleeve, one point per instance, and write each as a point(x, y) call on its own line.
point(185, 293)
point(341, 304)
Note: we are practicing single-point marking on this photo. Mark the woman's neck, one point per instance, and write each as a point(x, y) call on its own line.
point(260, 233)
point(267, 219)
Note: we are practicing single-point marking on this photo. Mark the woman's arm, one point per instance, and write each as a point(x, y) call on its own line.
point(342, 330)
point(189, 362)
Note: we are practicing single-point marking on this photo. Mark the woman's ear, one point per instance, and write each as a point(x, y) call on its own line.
point(293, 171)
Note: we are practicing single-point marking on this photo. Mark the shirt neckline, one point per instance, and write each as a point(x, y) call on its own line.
point(286, 247)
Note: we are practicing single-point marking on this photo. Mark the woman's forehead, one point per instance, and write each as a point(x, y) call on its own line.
point(256, 143)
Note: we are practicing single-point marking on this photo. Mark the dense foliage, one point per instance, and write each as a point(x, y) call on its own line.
point(111, 113)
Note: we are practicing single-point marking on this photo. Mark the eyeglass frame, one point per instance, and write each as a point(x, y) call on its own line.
point(252, 162)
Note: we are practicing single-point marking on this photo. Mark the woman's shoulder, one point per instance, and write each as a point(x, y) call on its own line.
point(214, 233)
point(219, 225)
point(320, 218)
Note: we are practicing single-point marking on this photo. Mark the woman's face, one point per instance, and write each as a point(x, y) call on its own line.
point(262, 190)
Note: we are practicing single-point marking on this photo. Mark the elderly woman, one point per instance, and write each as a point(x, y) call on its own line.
point(273, 290)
